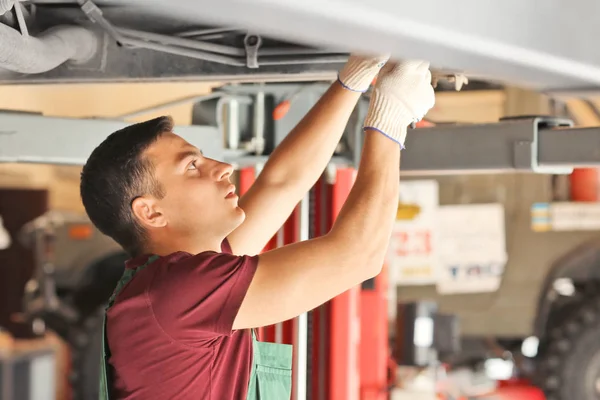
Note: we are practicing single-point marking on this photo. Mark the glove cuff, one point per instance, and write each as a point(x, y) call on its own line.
point(358, 73)
point(389, 117)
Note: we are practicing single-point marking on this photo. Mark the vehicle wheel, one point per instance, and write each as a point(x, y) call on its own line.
point(569, 368)
point(85, 341)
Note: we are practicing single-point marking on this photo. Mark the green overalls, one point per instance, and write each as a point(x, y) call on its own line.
point(271, 376)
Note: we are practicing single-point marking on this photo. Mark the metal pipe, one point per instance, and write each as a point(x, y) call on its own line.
point(303, 59)
point(276, 56)
point(288, 51)
point(182, 46)
point(259, 123)
point(206, 32)
point(33, 55)
point(182, 42)
point(19, 8)
point(301, 323)
point(181, 51)
point(232, 126)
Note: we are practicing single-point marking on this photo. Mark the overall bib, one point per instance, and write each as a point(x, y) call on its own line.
point(271, 375)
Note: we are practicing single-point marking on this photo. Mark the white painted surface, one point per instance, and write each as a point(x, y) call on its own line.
point(472, 248)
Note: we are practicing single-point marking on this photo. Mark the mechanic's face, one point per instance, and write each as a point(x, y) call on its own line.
point(200, 200)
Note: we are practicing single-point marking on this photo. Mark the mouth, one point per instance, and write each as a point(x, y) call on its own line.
point(231, 192)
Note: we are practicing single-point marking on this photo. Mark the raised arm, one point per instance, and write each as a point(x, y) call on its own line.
point(301, 158)
point(296, 278)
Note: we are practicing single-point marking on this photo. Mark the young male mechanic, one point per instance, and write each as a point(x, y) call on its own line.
point(179, 325)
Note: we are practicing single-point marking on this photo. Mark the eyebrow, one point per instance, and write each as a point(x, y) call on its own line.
point(188, 153)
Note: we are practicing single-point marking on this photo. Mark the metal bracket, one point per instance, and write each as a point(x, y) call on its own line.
point(526, 152)
point(94, 14)
point(252, 43)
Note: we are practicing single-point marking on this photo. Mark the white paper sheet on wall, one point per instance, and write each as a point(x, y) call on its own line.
point(471, 248)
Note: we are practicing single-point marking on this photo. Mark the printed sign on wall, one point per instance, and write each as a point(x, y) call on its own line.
point(472, 248)
point(412, 257)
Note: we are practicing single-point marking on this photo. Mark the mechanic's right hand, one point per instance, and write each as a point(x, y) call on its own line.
point(402, 95)
point(359, 71)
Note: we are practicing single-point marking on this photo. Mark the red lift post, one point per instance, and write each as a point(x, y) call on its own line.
point(344, 325)
point(282, 332)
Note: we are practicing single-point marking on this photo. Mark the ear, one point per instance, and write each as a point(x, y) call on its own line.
point(148, 213)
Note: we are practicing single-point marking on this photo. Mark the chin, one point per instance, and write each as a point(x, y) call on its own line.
point(236, 220)
point(240, 214)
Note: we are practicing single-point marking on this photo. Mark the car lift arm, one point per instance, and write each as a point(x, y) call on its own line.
point(34, 138)
point(537, 144)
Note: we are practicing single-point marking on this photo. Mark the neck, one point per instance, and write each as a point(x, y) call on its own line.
point(166, 245)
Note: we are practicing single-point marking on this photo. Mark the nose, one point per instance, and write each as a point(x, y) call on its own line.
point(223, 171)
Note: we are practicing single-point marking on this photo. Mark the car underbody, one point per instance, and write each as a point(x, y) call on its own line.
point(259, 40)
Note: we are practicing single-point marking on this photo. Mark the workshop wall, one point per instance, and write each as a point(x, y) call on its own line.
point(481, 106)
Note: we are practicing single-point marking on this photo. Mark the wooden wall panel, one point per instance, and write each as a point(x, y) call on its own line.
point(102, 100)
point(481, 106)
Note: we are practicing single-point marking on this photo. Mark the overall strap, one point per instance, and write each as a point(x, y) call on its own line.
point(105, 381)
point(128, 276)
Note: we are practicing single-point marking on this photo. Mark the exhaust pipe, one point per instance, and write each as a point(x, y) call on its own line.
point(34, 55)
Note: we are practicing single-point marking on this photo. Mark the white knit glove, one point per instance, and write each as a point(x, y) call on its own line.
point(359, 72)
point(402, 95)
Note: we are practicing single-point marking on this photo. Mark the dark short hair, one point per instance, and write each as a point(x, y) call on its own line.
point(115, 174)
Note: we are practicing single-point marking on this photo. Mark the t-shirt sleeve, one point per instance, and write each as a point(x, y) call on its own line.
point(198, 297)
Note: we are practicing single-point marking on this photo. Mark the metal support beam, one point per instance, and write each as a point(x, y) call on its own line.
point(33, 138)
point(541, 144)
point(578, 147)
point(542, 45)
point(520, 144)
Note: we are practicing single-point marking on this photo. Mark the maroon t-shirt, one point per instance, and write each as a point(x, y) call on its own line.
point(170, 328)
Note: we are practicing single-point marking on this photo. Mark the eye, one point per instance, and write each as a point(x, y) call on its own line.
point(192, 165)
